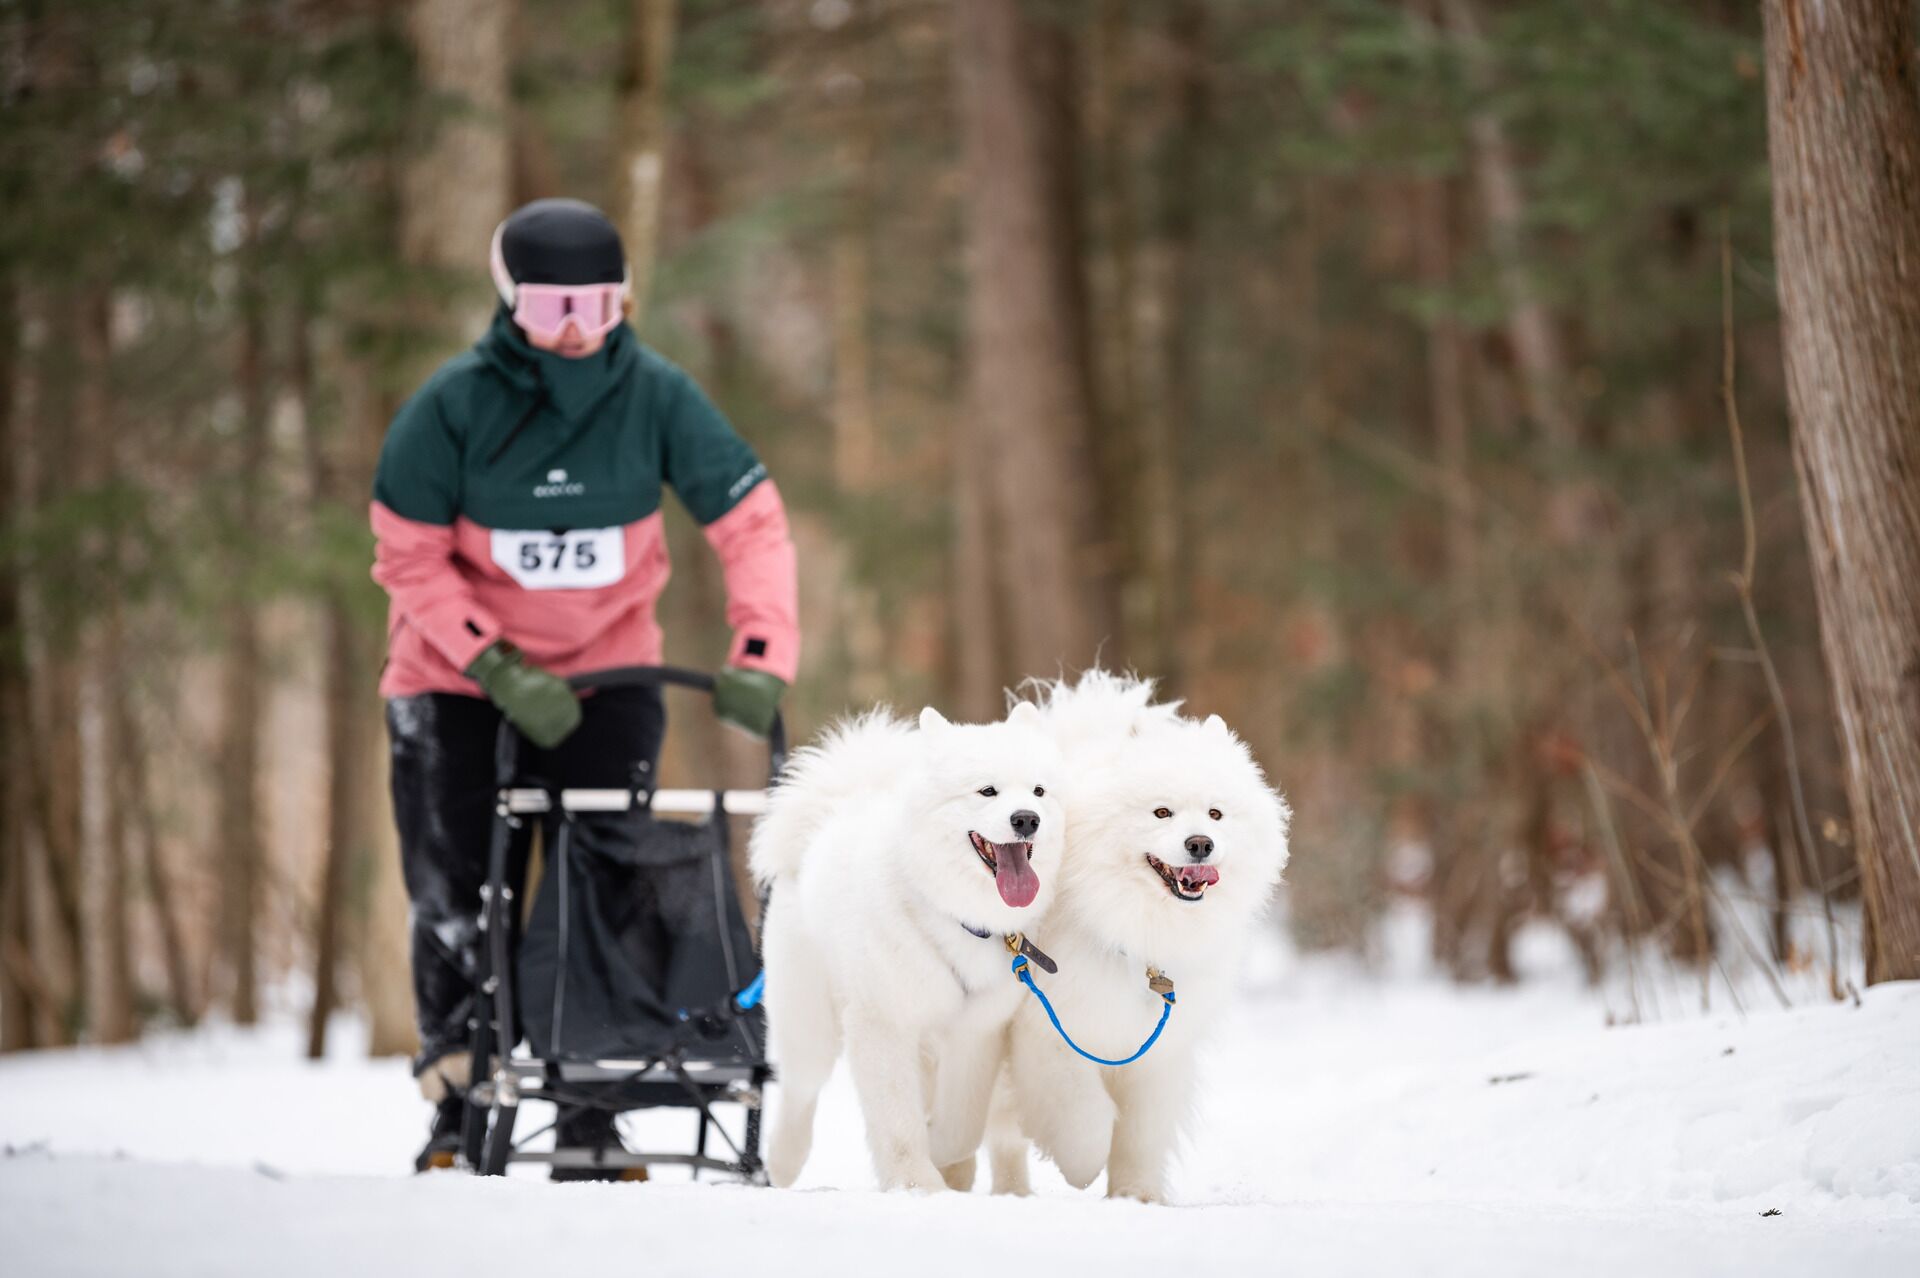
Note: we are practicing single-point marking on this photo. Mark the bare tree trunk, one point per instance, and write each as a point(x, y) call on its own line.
point(118, 994)
point(453, 193)
point(381, 943)
point(346, 686)
point(1113, 319)
point(1530, 327)
point(58, 765)
point(17, 1011)
point(1465, 842)
point(856, 433)
point(98, 462)
point(974, 606)
point(241, 835)
point(646, 59)
point(1029, 371)
point(383, 966)
point(173, 945)
point(1166, 437)
point(454, 190)
point(533, 159)
point(1843, 113)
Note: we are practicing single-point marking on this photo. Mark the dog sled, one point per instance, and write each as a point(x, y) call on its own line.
point(634, 983)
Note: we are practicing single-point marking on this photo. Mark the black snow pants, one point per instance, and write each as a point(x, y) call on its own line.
point(443, 800)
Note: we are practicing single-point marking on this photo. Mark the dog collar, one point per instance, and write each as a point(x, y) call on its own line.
point(1016, 943)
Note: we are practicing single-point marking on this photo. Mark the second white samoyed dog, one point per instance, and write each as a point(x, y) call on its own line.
point(898, 857)
point(1174, 844)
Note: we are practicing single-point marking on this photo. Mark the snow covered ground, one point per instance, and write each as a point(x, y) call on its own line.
point(1355, 1126)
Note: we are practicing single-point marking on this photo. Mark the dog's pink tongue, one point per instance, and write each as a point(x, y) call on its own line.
point(1192, 874)
point(1013, 875)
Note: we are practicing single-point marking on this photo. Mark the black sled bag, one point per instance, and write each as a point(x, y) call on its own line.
point(636, 919)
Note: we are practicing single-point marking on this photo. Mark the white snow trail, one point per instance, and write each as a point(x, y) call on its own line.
point(1346, 1126)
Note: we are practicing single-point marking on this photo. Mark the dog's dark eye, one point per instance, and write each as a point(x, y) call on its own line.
point(1163, 813)
point(987, 792)
point(1214, 813)
point(1039, 792)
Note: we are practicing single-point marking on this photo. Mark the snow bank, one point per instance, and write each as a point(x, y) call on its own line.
point(1348, 1126)
point(1809, 1109)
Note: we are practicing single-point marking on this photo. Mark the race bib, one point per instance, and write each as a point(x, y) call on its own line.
point(578, 559)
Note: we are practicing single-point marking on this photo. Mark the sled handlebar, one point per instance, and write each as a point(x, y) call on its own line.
point(679, 677)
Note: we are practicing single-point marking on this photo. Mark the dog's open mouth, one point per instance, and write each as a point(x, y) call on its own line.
point(1011, 865)
point(1188, 882)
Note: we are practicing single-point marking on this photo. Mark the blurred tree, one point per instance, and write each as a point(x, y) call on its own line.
point(1029, 400)
point(18, 1014)
point(1243, 323)
point(641, 130)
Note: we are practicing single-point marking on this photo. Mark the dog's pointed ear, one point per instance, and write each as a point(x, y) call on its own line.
point(1218, 725)
point(932, 721)
point(1025, 712)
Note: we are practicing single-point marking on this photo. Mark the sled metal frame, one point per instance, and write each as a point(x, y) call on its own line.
point(676, 1077)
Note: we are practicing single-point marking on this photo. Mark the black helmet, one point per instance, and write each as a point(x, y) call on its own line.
point(556, 242)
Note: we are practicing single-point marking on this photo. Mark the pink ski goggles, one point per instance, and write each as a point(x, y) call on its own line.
point(545, 310)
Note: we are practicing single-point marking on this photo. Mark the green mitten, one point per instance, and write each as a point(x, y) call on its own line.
point(747, 699)
point(536, 701)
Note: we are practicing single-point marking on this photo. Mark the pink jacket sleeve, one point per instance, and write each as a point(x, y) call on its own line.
point(414, 562)
point(762, 575)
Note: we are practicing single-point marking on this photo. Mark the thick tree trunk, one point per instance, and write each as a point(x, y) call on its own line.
point(646, 58)
point(1843, 113)
point(1028, 366)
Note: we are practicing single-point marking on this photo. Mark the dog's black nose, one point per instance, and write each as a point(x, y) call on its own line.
point(1025, 823)
point(1199, 847)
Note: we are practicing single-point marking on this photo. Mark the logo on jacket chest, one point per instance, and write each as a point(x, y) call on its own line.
point(558, 485)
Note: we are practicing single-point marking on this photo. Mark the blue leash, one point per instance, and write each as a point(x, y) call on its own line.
point(749, 998)
point(1024, 972)
point(712, 1021)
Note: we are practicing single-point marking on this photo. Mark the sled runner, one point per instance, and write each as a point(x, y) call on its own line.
point(636, 982)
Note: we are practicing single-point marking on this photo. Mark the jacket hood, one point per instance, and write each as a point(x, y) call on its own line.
point(572, 388)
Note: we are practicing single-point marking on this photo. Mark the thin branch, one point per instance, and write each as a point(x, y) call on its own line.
point(1743, 583)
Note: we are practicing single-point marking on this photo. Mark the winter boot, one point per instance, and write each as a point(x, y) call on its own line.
point(443, 1142)
point(589, 1128)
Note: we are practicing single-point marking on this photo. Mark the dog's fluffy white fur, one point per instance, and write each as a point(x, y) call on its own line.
point(1142, 782)
point(878, 890)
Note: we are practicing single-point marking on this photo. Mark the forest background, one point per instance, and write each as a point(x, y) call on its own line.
point(1403, 379)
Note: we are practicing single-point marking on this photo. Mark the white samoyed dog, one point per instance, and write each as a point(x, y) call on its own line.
point(1175, 842)
point(898, 857)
